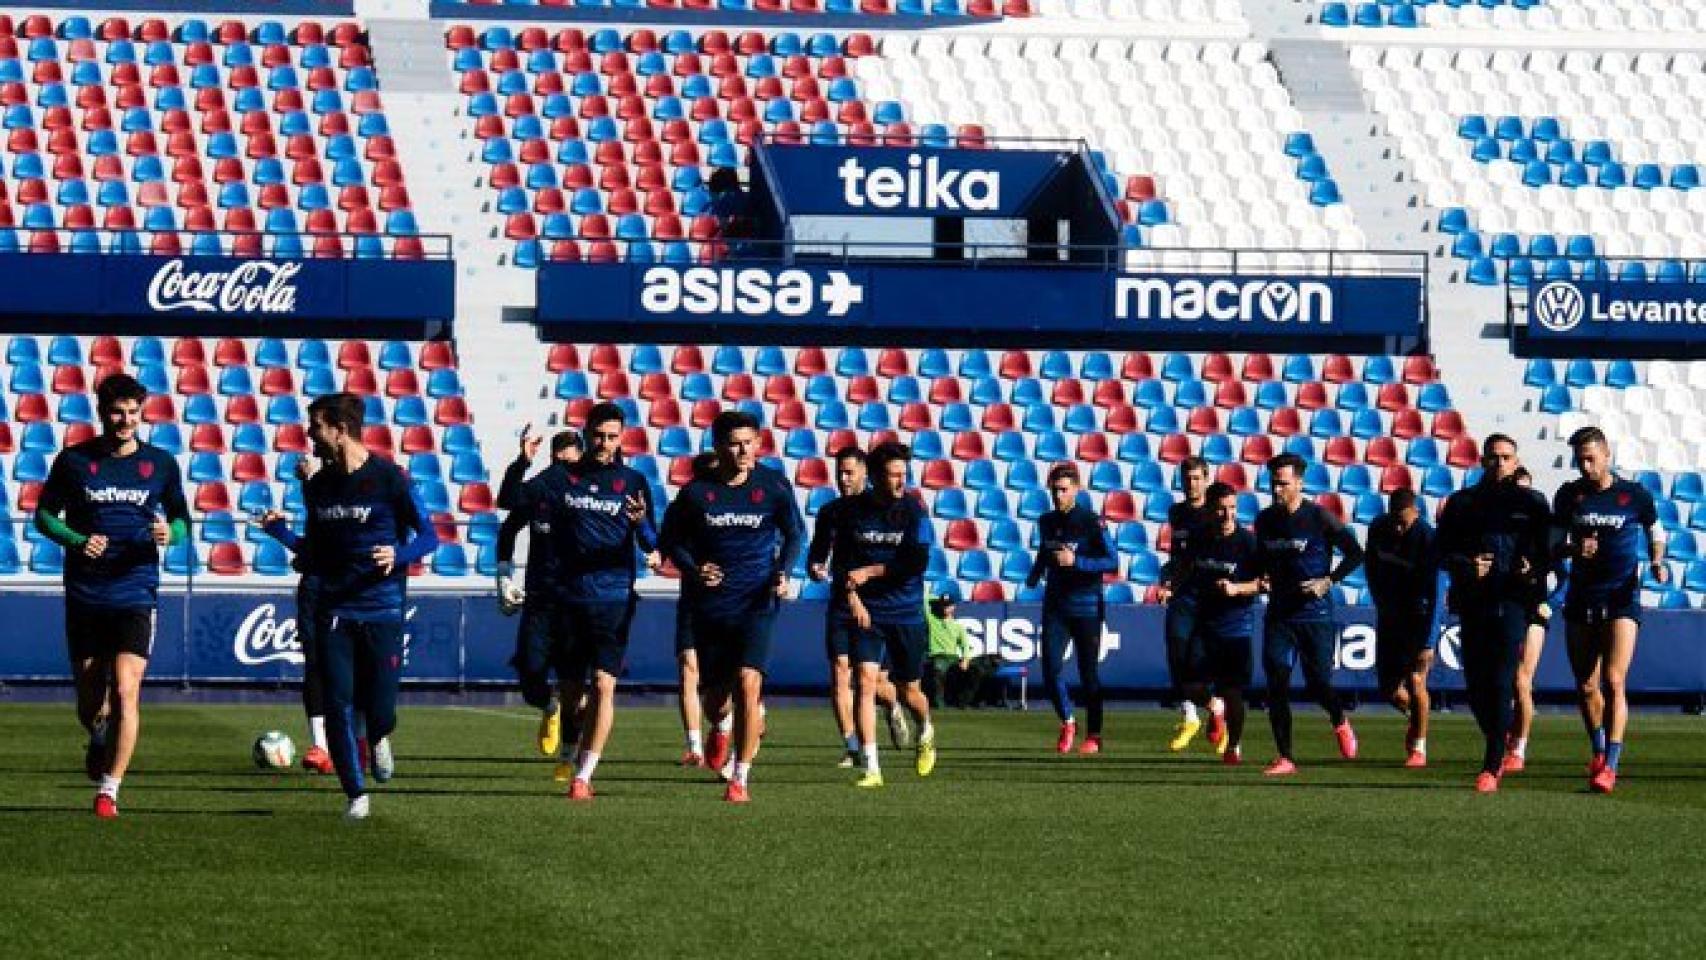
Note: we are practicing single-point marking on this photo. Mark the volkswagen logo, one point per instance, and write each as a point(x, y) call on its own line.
point(1557, 307)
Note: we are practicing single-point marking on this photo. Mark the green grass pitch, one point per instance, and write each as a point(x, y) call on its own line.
point(1008, 850)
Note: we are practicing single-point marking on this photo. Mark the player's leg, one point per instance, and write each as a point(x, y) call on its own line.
point(1509, 623)
point(867, 657)
point(1056, 635)
point(691, 708)
point(93, 676)
point(837, 639)
point(1475, 635)
point(532, 662)
point(337, 646)
point(906, 645)
point(1533, 643)
point(1317, 645)
point(1421, 704)
point(1179, 628)
point(379, 658)
point(1583, 641)
point(888, 698)
point(318, 757)
point(1390, 667)
point(1279, 652)
point(1087, 650)
point(1620, 652)
point(1230, 666)
point(754, 652)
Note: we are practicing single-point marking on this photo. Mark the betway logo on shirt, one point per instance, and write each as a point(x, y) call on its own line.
point(1610, 521)
point(591, 504)
point(923, 185)
point(132, 496)
point(343, 512)
point(1298, 545)
point(747, 292)
point(722, 520)
point(1226, 567)
point(889, 538)
point(256, 286)
point(1192, 299)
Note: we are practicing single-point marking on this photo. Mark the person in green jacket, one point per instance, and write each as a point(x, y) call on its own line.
point(950, 649)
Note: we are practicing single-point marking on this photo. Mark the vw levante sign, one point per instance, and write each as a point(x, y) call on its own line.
point(1652, 313)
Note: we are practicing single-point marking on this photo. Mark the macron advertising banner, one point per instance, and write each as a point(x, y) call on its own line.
point(465, 640)
point(1011, 298)
point(120, 285)
point(1571, 311)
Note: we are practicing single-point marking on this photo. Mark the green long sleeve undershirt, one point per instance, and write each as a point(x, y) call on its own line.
point(55, 529)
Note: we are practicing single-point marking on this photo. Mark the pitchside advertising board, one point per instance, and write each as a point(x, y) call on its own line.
point(226, 287)
point(1565, 311)
point(923, 296)
point(252, 638)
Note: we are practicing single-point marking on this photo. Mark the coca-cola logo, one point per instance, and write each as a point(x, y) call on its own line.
point(264, 638)
point(254, 286)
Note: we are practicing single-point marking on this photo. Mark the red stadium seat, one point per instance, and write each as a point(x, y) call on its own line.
point(1381, 452)
point(1464, 452)
point(1341, 451)
point(1257, 450)
point(939, 475)
point(989, 591)
point(1395, 477)
point(1407, 424)
point(1121, 420)
point(212, 496)
point(1448, 425)
point(1175, 447)
point(1285, 422)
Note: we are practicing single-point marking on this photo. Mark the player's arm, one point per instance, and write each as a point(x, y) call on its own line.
point(793, 529)
point(423, 539)
point(1246, 580)
point(55, 496)
point(1451, 544)
point(1537, 551)
point(645, 525)
point(680, 522)
point(1657, 537)
point(509, 489)
point(822, 541)
point(1340, 538)
point(175, 506)
point(1097, 555)
point(1036, 575)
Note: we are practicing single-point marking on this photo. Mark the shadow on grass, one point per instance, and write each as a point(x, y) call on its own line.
point(129, 813)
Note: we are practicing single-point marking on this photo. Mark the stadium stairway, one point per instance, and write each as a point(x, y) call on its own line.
point(438, 150)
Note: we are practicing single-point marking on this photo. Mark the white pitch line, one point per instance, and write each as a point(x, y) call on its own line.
point(488, 711)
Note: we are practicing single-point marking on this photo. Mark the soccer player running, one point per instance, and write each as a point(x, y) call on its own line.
point(600, 513)
point(1533, 644)
point(1295, 541)
point(318, 758)
point(1602, 517)
point(1493, 541)
point(1073, 554)
point(365, 527)
point(535, 654)
point(1186, 519)
point(686, 646)
point(1403, 577)
point(886, 535)
point(850, 481)
point(735, 535)
point(1224, 581)
point(112, 503)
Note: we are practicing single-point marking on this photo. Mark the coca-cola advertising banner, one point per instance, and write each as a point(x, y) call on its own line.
point(227, 287)
point(464, 640)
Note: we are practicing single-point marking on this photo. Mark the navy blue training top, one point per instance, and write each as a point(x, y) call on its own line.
point(594, 544)
point(897, 534)
point(824, 546)
point(118, 498)
point(1217, 558)
point(1621, 516)
point(1077, 590)
point(1510, 523)
point(752, 531)
point(1186, 523)
point(1403, 571)
point(349, 514)
point(1292, 547)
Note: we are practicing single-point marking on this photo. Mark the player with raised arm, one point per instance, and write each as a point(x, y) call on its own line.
point(1493, 543)
point(600, 515)
point(112, 503)
point(365, 527)
point(1223, 578)
point(736, 535)
point(1072, 556)
point(535, 654)
point(1185, 519)
point(1601, 518)
point(1403, 577)
point(883, 539)
point(1295, 542)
